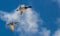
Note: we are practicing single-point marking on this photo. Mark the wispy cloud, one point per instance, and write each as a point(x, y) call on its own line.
point(8, 17)
point(28, 22)
point(29, 25)
point(45, 32)
point(57, 33)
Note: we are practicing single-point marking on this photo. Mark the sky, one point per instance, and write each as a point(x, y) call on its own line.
point(48, 12)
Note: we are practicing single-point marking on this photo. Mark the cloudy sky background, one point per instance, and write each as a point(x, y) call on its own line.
point(46, 15)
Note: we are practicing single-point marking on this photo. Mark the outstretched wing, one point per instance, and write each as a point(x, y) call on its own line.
point(11, 27)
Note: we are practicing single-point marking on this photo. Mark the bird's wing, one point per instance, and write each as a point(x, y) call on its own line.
point(16, 22)
point(11, 27)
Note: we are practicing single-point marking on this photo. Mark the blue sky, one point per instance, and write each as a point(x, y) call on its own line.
point(48, 10)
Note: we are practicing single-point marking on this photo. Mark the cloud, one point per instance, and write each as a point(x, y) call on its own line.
point(28, 23)
point(8, 17)
point(45, 32)
point(57, 33)
point(29, 26)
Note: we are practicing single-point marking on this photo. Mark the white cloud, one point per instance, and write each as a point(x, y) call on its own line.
point(45, 32)
point(57, 33)
point(10, 17)
point(28, 23)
